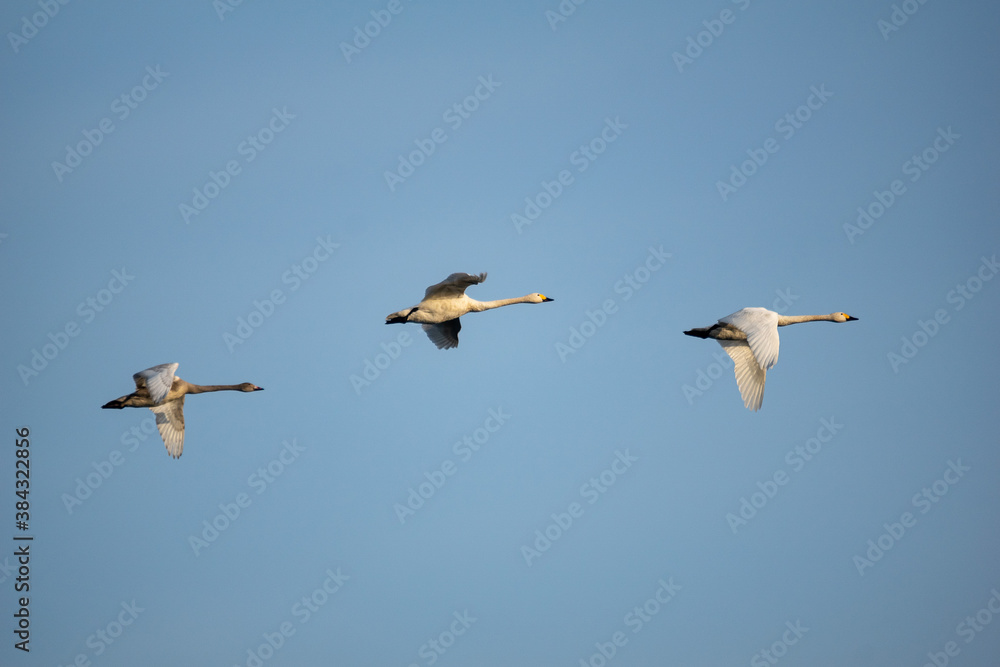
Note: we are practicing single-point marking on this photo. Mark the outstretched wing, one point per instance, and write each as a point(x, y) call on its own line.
point(750, 376)
point(452, 286)
point(444, 334)
point(170, 422)
point(156, 380)
point(761, 327)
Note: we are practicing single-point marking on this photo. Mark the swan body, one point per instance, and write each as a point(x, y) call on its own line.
point(161, 391)
point(445, 302)
point(750, 338)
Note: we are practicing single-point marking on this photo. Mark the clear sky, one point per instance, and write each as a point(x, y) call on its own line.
point(248, 189)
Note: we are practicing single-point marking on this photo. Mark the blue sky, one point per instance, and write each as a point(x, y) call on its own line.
point(249, 190)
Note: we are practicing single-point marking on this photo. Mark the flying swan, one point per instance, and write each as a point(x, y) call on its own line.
point(750, 337)
point(158, 389)
point(445, 302)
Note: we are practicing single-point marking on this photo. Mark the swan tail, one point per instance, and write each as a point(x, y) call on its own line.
point(402, 317)
point(135, 400)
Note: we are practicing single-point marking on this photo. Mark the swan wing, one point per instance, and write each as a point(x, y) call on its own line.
point(170, 422)
point(452, 286)
point(444, 334)
point(761, 327)
point(156, 380)
point(750, 376)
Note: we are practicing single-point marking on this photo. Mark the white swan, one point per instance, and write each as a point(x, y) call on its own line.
point(158, 389)
point(445, 302)
point(750, 337)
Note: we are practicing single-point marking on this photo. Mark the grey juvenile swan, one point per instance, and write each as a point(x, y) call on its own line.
point(158, 389)
point(750, 337)
point(445, 302)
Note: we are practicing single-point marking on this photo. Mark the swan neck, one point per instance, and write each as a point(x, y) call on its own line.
point(795, 319)
point(202, 389)
point(487, 305)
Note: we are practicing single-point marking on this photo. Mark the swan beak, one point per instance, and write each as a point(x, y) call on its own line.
point(256, 388)
point(545, 298)
point(851, 319)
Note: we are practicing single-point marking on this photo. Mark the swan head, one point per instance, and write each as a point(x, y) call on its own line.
point(538, 298)
point(249, 386)
point(843, 317)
